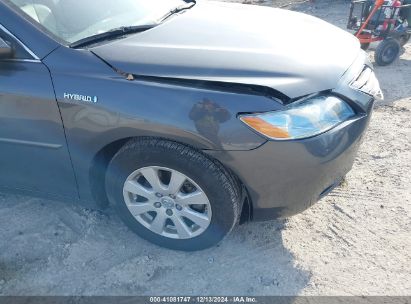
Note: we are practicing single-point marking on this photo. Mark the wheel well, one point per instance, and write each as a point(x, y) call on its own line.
point(247, 209)
point(98, 171)
point(103, 157)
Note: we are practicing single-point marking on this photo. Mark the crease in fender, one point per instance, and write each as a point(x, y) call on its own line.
point(239, 88)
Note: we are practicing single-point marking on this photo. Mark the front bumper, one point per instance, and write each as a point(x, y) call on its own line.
point(285, 178)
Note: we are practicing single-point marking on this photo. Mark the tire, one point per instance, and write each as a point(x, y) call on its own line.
point(404, 39)
point(387, 52)
point(140, 156)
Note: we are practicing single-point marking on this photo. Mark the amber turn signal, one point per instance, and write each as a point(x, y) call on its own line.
point(264, 127)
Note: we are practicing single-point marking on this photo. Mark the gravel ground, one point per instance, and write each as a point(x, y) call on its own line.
point(356, 241)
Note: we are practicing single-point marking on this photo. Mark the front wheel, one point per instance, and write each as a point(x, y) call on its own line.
point(173, 195)
point(387, 51)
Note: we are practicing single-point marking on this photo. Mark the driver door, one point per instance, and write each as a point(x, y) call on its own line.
point(33, 151)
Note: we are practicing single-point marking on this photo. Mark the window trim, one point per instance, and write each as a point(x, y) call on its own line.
point(30, 52)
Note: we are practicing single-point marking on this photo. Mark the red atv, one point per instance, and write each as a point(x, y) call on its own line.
point(387, 21)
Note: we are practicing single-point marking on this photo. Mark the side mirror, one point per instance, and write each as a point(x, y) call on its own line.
point(6, 51)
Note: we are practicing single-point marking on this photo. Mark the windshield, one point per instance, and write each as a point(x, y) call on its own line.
point(74, 20)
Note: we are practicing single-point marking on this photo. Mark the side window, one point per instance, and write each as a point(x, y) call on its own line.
point(20, 52)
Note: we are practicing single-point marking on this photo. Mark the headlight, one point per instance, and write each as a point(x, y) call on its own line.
point(368, 83)
point(307, 118)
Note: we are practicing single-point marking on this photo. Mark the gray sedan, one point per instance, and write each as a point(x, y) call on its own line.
point(187, 117)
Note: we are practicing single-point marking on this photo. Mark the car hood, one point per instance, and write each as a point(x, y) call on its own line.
point(293, 53)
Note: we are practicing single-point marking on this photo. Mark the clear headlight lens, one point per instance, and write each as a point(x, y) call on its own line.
point(308, 118)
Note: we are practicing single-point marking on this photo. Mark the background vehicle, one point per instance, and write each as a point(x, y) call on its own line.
point(185, 132)
point(387, 22)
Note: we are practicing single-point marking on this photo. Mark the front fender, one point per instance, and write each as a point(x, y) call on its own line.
point(200, 117)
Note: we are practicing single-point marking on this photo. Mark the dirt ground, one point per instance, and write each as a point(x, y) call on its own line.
point(356, 241)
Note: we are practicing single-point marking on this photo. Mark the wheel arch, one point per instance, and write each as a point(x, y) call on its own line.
point(98, 170)
point(107, 144)
point(103, 157)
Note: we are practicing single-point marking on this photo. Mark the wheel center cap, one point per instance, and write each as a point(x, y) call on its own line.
point(167, 203)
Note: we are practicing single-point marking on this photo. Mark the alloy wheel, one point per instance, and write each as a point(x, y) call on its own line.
point(167, 202)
